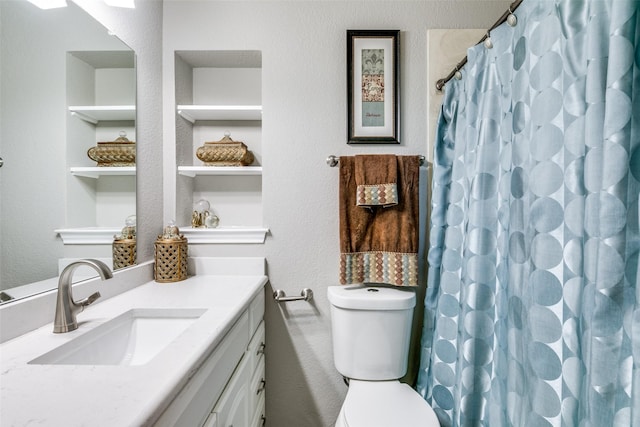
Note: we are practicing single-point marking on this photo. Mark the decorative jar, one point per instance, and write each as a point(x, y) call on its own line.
point(120, 152)
point(225, 152)
point(170, 255)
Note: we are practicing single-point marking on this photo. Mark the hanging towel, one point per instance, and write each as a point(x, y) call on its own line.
point(376, 180)
point(380, 245)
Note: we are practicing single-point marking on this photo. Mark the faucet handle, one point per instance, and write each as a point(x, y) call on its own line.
point(89, 300)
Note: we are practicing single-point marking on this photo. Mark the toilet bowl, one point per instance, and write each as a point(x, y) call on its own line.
point(384, 404)
point(371, 328)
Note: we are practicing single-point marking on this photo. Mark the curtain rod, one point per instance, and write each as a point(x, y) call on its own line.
point(440, 83)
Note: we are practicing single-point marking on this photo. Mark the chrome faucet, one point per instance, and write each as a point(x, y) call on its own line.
point(66, 307)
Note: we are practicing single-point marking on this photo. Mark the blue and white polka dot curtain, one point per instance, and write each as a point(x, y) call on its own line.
point(532, 314)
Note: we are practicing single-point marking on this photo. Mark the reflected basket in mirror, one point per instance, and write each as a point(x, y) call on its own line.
point(124, 249)
point(120, 152)
point(225, 152)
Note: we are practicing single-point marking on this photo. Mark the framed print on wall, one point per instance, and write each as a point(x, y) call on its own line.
point(373, 73)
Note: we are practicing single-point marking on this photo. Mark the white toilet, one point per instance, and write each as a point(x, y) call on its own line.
point(371, 330)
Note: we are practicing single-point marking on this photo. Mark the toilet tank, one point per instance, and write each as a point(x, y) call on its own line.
point(371, 327)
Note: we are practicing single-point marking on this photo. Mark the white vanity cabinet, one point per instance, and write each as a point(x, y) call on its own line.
point(228, 389)
point(242, 402)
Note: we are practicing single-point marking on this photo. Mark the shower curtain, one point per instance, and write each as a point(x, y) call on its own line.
point(531, 312)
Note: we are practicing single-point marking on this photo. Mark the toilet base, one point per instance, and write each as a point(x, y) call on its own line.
point(340, 421)
point(384, 404)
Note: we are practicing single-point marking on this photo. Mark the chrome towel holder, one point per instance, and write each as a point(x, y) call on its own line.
point(333, 161)
point(305, 295)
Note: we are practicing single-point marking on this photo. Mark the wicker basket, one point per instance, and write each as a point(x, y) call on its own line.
point(124, 253)
point(171, 252)
point(225, 152)
point(120, 152)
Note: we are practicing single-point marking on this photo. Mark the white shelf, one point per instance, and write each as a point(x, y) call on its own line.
point(88, 235)
point(228, 235)
point(194, 113)
point(98, 171)
point(193, 171)
point(95, 114)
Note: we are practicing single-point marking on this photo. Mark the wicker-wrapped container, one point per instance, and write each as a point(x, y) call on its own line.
point(170, 256)
point(124, 249)
point(124, 253)
point(225, 152)
point(120, 152)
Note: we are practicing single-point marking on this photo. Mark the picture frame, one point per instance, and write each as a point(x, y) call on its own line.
point(373, 86)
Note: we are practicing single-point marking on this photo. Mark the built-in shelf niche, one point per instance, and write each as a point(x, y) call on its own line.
point(101, 92)
point(219, 92)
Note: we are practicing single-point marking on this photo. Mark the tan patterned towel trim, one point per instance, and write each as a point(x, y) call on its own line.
point(377, 195)
point(376, 177)
point(399, 269)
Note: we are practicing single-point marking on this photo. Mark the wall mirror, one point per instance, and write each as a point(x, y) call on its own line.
point(66, 85)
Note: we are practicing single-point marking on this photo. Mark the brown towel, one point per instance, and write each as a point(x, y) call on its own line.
point(376, 180)
point(380, 245)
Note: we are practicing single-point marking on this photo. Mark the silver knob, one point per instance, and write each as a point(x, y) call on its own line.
point(1, 162)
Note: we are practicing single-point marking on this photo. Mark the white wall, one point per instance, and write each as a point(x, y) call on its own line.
point(303, 46)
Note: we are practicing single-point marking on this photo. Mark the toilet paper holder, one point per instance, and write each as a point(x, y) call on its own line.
point(305, 295)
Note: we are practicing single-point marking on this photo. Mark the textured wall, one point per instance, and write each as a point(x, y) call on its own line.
point(303, 46)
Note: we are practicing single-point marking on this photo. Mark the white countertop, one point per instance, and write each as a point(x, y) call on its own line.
point(86, 395)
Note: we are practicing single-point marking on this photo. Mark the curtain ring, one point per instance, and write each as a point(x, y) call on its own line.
point(457, 74)
point(512, 19)
point(487, 41)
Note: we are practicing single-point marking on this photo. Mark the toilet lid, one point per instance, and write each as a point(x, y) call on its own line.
point(386, 404)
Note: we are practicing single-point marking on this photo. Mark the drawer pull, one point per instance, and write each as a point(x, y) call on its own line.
point(261, 348)
point(261, 387)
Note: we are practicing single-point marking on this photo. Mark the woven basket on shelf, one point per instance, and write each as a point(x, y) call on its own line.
point(225, 152)
point(120, 152)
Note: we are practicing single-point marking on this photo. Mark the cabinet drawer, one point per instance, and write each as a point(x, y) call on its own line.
point(259, 416)
point(256, 346)
point(257, 387)
point(256, 311)
point(211, 421)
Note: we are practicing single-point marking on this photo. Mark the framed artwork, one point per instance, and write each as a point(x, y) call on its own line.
point(373, 72)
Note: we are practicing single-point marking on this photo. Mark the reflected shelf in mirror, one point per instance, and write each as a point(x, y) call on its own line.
point(98, 171)
point(99, 113)
point(88, 95)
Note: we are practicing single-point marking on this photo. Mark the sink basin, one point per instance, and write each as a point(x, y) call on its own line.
point(133, 338)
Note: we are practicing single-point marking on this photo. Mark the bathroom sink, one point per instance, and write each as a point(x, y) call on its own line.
point(133, 338)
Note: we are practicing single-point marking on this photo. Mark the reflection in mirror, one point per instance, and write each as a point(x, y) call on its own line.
point(66, 87)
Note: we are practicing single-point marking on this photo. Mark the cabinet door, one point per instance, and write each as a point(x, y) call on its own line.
point(232, 409)
point(211, 421)
point(259, 418)
point(239, 410)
